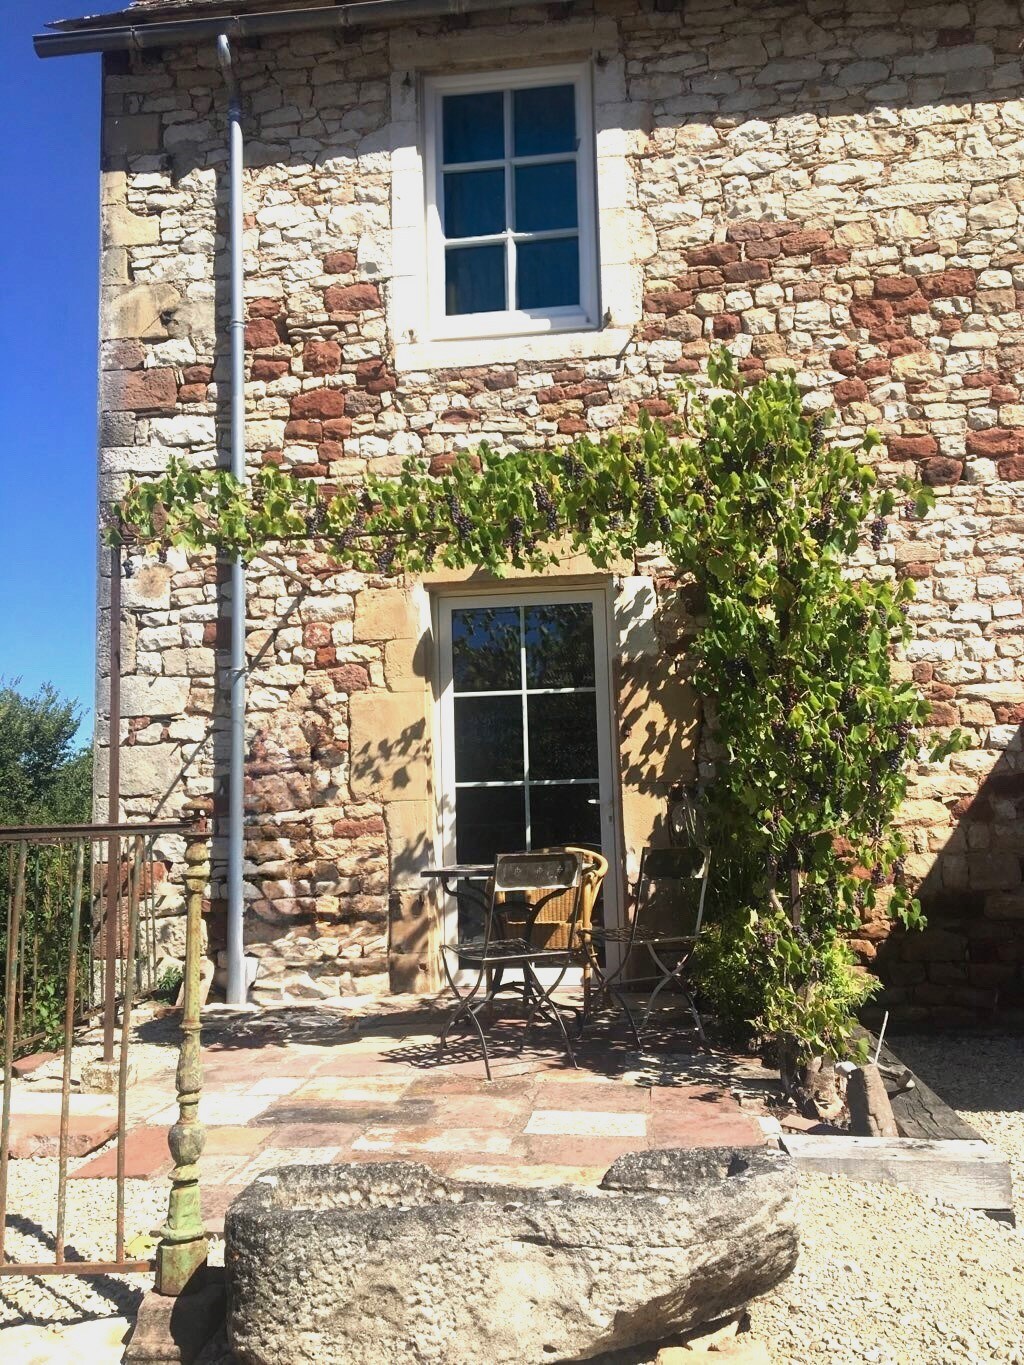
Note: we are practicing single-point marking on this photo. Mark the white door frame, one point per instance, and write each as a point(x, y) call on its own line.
point(600, 600)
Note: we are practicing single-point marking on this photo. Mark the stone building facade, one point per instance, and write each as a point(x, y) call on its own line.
point(829, 187)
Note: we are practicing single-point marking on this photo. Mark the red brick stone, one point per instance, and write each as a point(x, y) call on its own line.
point(318, 403)
point(316, 634)
point(904, 346)
point(330, 450)
point(35, 1135)
point(264, 308)
point(352, 298)
point(831, 255)
point(763, 251)
point(983, 379)
point(325, 657)
point(375, 377)
point(948, 283)
point(876, 316)
point(805, 291)
point(744, 232)
point(140, 390)
point(145, 1154)
point(913, 303)
point(575, 426)
point(923, 672)
point(192, 393)
point(995, 441)
point(912, 447)
point(941, 471)
point(726, 326)
point(500, 379)
point(1012, 470)
point(261, 333)
point(303, 431)
point(844, 360)
point(915, 570)
point(850, 391)
point(321, 357)
point(800, 243)
point(268, 370)
point(338, 427)
point(351, 678)
point(718, 253)
point(354, 829)
point(197, 374)
point(24, 1066)
point(340, 263)
point(874, 369)
point(943, 713)
point(743, 272)
point(668, 301)
point(895, 286)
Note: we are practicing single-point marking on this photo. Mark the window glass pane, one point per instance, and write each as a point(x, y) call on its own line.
point(489, 739)
point(485, 649)
point(475, 280)
point(545, 196)
point(560, 646)
point(474, 127)
point(565, 815)
point(544, 120)
point(474, 203)
point(563, 734)
point(489, 821)
point(549, 273)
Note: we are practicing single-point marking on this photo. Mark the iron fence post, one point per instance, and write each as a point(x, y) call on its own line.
point(183, 1243)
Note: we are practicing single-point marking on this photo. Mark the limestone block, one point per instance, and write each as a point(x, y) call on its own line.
point(121, 227)
point(144, 696)
point(138, 311)
point(659, 713)
point(408, 663)
point(389, 744)
point(503, 1274)
point(148, 589)
point(131, 134)
point(386, 614)
point(150, 770)
point(410, 827)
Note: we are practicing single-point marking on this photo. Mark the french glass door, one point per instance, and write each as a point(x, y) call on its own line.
point(526, 732)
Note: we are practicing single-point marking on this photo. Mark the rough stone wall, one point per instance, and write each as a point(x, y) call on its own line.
point(830, 187)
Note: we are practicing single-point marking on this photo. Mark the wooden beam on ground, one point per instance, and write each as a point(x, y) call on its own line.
point(920, 1113)
point(966, 1174)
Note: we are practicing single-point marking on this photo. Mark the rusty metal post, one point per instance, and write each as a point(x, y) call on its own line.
point(69, 1039)
point(113, 920)
point(183, 1243)
point(13, 929)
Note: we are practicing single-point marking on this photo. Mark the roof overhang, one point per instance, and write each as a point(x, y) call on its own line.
point(130, 32)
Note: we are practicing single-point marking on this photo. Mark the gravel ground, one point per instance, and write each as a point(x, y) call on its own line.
point(888, 1277)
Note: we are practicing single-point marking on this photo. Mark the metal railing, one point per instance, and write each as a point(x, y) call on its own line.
point(79, 940)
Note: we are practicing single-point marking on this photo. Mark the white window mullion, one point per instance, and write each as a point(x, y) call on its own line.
point(510, 245)
point(526, 725)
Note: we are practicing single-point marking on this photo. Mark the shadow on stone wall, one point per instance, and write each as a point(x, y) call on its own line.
point(966, 968)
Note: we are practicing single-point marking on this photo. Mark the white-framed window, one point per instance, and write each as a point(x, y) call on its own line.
point(511, 209)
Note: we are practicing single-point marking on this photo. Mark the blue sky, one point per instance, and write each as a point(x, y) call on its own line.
point(49, 111)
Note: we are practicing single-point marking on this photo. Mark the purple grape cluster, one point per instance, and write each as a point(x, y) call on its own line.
point(545, 506)
point(460, 520)
point(878, 529)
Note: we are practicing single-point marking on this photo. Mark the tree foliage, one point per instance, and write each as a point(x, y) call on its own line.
point(44, 777)
point(750, 503)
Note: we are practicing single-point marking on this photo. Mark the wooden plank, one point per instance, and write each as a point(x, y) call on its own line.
point(966, 1174)
point(920, 1112)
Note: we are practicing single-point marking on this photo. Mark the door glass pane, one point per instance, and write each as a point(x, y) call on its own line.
point(544, 120)
point(563, 734)
point(560, 645)
point(549, 273)
point(489, 821)
point(565, 815)
point(474, 203)
point(474, 127)
point(488, 739)
point(485, 649)
point(475, 280)
point(545, 196)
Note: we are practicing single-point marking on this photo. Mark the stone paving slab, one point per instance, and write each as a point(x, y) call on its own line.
point(38, 1135)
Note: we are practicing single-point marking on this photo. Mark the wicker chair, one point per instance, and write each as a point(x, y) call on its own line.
point(550, 929)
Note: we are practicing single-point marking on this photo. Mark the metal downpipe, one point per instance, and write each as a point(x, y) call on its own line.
point(236, 992)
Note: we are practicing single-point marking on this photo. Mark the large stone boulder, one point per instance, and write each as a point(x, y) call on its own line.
point(370, 1263)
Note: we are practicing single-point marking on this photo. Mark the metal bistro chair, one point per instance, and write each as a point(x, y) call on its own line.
point(658, 943)
point(515, 937)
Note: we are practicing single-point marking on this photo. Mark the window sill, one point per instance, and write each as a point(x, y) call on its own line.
point(509, 350)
